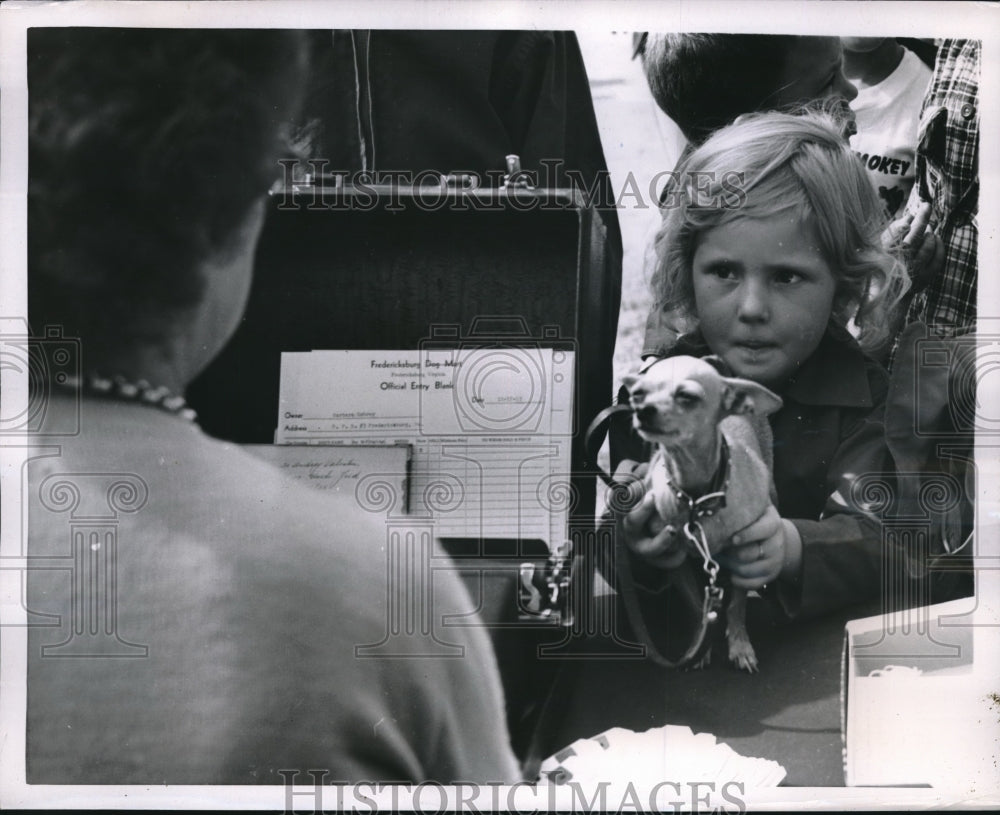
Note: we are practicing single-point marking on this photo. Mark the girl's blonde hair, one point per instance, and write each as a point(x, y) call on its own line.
point(769, 163)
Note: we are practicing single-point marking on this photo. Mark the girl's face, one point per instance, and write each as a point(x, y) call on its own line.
point(763, 294)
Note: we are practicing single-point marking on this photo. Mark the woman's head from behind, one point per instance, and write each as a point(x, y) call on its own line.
point(150, 151)
point(776, 233)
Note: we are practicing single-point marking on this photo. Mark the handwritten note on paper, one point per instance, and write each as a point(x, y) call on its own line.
point(338, 468)
point(490, 428)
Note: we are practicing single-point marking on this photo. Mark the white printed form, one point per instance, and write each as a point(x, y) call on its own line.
point(490, 428)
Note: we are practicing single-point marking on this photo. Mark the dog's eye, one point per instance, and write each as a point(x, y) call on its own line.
point(686, 398)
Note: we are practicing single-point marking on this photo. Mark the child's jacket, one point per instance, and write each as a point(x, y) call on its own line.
point(831, 470)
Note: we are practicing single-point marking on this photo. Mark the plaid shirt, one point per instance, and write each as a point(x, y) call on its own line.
point(948, 177)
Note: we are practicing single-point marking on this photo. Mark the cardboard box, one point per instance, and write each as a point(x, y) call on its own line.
point(918, 703)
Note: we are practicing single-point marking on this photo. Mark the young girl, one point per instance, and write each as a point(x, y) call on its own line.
point(772, 251)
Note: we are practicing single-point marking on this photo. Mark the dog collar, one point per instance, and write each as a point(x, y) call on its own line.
point(712, 501)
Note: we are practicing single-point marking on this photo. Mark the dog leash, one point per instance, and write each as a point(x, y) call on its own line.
point(592, 441)
point(713, 594)
point(711, 603)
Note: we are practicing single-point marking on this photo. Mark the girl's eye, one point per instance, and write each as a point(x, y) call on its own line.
point(723, 271)
point(787, 276)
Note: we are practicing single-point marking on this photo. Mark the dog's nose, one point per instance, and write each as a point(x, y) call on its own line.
point(646, 412)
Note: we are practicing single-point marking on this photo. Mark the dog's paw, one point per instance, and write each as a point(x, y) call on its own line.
point(742, 655)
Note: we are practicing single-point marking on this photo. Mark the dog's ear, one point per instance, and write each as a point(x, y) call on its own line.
point(629, 380)
point(720, 365)
point(747, 396)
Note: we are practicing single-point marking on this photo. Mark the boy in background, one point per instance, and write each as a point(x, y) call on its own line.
point(891, 82)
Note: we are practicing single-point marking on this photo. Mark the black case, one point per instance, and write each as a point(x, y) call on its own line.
point(389, 268)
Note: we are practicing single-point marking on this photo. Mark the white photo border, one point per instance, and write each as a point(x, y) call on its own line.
point(913, 19)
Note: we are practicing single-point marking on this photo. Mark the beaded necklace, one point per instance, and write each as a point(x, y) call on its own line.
point(121, 389)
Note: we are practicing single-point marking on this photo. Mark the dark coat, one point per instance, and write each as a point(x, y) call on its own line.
point(830, 455)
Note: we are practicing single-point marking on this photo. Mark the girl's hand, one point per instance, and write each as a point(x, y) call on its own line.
point(764, 551)
point(642, 528)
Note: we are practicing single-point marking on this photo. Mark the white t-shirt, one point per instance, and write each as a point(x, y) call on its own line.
point(888, 116)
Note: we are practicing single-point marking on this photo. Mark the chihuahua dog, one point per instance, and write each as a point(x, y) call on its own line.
point(711, 436)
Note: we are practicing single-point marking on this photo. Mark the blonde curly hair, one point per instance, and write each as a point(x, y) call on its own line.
point(769, 163)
